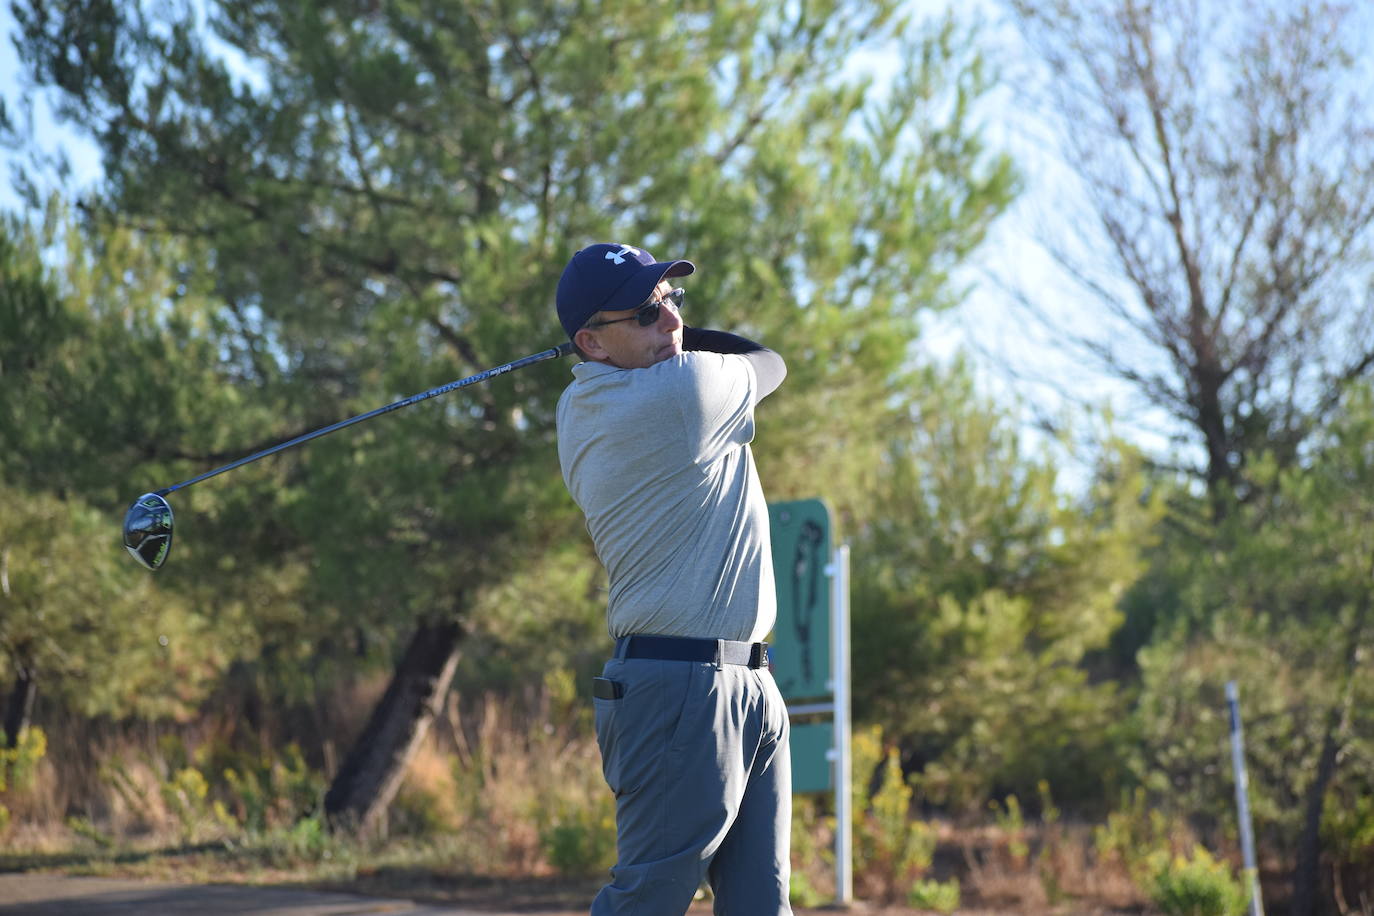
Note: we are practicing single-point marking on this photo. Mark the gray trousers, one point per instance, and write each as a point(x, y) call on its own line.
point(697, 756)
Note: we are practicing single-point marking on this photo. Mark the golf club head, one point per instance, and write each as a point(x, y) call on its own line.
point(148, 530)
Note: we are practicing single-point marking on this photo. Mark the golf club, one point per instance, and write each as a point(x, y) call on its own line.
point(148, 523)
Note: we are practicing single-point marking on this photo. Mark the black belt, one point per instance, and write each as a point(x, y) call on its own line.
point(683, 649)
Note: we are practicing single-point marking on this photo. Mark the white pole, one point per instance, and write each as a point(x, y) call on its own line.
point(839, 671)
point(1247, 833)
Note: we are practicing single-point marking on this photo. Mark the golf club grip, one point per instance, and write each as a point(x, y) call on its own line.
point(562, 349)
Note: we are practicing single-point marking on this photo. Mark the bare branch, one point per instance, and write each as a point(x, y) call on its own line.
point(1227, 166)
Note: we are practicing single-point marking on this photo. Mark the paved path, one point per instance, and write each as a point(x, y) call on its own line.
point(34, 894)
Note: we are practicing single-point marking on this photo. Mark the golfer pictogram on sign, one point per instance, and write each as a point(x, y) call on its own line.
point(801, 636)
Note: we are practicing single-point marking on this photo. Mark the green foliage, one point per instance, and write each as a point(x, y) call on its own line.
point(579, 839)
point(344, 209)
point(1012, 823)
point(1278, 600)
point(308, 839)
point(892, 848)
point(87, 830)
point(1180, 876)
point(574, 820)
point(214, 792)
point(1056, 854)
point(1182, 716)
point(354, 208)
point(111, 369)
point(980, 588)
point(304, 843)
point(1348, 827)
point(1197, 885)
point(1133, 833)
point(185, 795)
point(577, 831)
point(941, 896)
point(269, 790)
point(813, 854)
point(801, 892)
point(525, 791)
point(96, 633)
point(18, 765)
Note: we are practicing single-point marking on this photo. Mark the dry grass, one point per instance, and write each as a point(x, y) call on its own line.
point(472, 823)
point(1059, 871)
point(520, 776)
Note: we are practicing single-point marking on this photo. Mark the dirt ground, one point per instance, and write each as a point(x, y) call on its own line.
point(51, 894)
point(559, 897)
point(54, 894)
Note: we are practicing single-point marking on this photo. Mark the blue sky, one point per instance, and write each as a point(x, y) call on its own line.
point(52, 138)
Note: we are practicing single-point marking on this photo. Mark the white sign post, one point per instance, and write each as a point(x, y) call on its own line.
point(1247, 832)
point(811, 664)
point(840, 752)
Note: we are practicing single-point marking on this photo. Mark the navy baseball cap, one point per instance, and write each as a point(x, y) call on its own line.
point(610, 277)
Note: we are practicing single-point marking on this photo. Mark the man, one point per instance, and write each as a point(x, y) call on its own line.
point(653, 438)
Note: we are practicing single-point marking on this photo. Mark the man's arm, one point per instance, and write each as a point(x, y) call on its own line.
point(769, 367)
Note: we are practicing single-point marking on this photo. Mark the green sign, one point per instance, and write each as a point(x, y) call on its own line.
point(801, 636)
point(812, 770)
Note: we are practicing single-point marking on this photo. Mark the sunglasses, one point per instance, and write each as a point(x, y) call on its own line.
point(647, 314)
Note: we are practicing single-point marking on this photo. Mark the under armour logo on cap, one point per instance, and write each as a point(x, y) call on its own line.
point(619, 256)
point(610, 277)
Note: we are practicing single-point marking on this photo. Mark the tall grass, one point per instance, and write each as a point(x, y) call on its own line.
point(505, 785)
point(510, 786)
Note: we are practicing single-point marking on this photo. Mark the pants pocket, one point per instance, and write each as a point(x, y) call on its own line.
point(636, 732)
point(606, 713)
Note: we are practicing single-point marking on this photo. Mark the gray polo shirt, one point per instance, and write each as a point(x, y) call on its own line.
point(658, 460)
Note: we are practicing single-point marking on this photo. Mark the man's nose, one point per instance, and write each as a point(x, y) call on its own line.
point(668, 318)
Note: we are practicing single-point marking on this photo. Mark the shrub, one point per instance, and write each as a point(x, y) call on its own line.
point(1132, 835)
point(1054, 861)
point(308, 839)
point(19, 763)
point(1012, 824)
point(185, 796)
point(801, 892)
point(1196, 886)
point(813, 853)
point(266, 791)
point(942, 896)
point(529, 790)
point(892, 850)
point(578, 838)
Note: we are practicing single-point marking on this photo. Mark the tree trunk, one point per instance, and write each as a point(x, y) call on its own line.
point(371, 774)
point(20, 705)
point(1306, 872)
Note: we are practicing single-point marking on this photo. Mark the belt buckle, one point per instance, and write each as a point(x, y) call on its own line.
point(758, 655)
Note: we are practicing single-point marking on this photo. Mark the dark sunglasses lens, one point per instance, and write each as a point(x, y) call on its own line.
point(647, 315)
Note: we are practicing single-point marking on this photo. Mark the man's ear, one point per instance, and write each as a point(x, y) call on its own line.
point(589, 343)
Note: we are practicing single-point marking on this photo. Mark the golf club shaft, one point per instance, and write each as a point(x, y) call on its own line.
point(551, 353)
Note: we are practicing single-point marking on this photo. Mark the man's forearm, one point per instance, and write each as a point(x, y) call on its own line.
point(769, 367)
point(717, 341)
